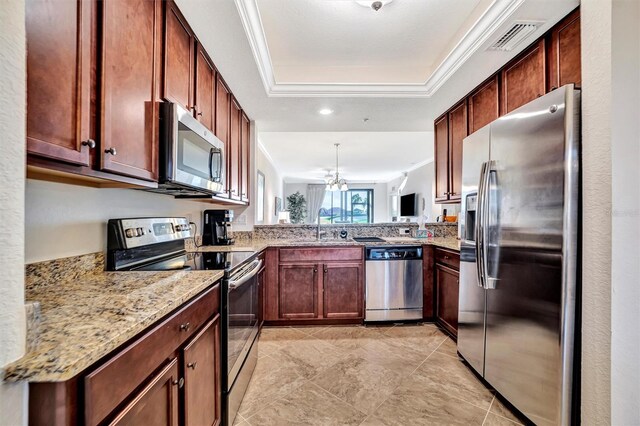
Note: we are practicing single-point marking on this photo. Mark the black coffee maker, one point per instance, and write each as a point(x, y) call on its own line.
point(217, 228)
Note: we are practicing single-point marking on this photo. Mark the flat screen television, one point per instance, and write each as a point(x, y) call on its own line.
point(408, 205)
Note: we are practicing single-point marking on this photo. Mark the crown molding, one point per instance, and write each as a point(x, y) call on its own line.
point(490, 21)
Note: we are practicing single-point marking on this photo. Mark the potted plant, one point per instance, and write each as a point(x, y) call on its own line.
point(297, 207)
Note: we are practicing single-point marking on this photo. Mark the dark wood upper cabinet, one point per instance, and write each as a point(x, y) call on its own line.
point(457, 132)
point(59, 79)
point(484, 105)
point(156, 404)
point(179, 56)
point(343, 290)
point(245, 157)
point(233, 167)
point(524, 79)
point(202, 385)
point(564, 52)
point(298, 289)
point(223, 121)
point(130, 87)
point(205, 89)
point(441, 151)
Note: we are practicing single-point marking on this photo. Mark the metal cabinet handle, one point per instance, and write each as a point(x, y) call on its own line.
point(315, 270)
point(192, 365)
point(179, 383)
point(90, 143)
point(199, 114)
point(111, 151)
point(185, 327)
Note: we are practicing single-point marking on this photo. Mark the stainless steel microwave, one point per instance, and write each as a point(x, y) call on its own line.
point(192, 158)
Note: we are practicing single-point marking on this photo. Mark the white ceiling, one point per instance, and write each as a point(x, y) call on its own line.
point(395, 107)
point(338, 41)
point(364, 156)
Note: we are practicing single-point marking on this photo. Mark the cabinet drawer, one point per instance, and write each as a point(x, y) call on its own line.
point(447, 257)
point(319, 254)
point(109, 385)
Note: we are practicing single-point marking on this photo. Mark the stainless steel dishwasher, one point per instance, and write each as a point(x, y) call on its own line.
point(394, 283)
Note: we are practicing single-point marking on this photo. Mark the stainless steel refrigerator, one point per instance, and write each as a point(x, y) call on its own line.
point(519, 255)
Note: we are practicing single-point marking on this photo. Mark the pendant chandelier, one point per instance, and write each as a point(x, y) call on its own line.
point(334, 183)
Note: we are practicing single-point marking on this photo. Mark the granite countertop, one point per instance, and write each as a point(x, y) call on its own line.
point(87, 312)
point(451, 243)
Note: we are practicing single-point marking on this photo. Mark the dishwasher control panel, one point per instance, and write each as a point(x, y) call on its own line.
point(393, 253)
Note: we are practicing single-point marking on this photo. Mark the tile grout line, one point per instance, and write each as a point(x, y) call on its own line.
point(428, 356)
point(336, 397)
point(486, 416)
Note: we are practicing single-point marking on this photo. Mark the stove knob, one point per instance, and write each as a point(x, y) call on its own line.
point(140, 231)
point(129, 232)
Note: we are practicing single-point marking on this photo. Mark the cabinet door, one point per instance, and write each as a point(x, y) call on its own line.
point(130, 87)
point(298, 291)
point(245, 157)
point(442, 158)
point(58, 79)
point(233, 168)
point(202, 385)
point(447, 283)
point(564, 52)
point(484, 105)
point(223, 113)
point(156, 403)
point(205, 89)
point(261, 296)
point(523, 80)
point(178, 58)
point(343, 291)
point(457, 132)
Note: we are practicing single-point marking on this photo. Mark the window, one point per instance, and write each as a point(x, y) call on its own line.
point(352, 206)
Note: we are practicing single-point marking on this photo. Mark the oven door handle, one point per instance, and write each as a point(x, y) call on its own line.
point(234, 284)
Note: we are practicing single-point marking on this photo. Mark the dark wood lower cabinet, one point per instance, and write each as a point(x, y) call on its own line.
point(157, 403)
point(202, 380)
point(314, 285)
point(447, 290)
point(343, 290)
point(169, 375)
point(298, 291)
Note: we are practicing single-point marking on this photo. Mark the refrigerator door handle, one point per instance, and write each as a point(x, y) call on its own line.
point(489, 172)
point(479, 232)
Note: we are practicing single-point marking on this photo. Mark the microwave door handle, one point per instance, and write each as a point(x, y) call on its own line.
point(219, 171)
point(211, 151)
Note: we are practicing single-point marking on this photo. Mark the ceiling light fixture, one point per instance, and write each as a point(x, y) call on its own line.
point(326, 111)
point(334, 183)
point(375, 5)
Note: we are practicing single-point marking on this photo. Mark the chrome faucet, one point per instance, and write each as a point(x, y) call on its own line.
point(318, 227)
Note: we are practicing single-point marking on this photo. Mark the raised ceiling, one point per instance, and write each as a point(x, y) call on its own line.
point(337, 41)
point(364, 156)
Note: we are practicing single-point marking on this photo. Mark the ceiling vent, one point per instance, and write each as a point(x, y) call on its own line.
point(514, 36)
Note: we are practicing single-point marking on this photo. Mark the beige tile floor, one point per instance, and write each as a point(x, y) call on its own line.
point(371, 376)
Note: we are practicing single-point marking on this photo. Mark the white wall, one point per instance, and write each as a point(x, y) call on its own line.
point(596, 211)
point(625, 265)
point(13, 397)
point(274, 185)
point(380, 197)
point(68, 220)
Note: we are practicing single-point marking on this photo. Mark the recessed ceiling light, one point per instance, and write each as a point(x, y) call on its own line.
point(326, 111)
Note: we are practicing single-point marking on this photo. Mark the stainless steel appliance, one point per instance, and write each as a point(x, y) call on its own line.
point(158, 244)
point(217, 228)
point(240, 329)
point(519, 255)
point(394, 285)
point(192, 160)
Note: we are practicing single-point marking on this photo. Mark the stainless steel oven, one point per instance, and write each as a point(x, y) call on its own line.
point(240, 327)
point(192, 158)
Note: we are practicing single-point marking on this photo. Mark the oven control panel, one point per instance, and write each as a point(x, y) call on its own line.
point(136, 232)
